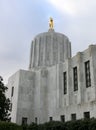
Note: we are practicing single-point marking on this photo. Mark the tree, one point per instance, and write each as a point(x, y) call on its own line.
point(4, 102)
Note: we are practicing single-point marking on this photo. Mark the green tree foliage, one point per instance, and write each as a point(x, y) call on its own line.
point(4, 102)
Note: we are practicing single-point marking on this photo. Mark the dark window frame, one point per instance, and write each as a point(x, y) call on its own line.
point(87, 74)
point(87, 115)
point(24, 120)
point(73, 116)
point(12, 91)
point(75, 78)
point(62, 117)
point(65, 82)
point(50, 118)
point(36, 120)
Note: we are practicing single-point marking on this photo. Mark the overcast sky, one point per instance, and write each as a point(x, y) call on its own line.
point(21, 20)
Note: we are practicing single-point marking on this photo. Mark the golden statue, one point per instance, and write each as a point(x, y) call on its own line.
point(51, 24)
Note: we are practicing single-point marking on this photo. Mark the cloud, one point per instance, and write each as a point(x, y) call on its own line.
point(74, 7)
point(77, 20)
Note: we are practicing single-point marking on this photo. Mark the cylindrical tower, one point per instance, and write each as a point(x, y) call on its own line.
point(49, 48)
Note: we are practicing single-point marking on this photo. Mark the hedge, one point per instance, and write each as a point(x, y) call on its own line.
point(9, 126)
point(53, 125)
point(70, 125)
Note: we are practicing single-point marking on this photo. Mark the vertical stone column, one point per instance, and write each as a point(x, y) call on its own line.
point(32, 55)
point(69, 83)
point(69, 50)
point(40, 49)
point(55, 49)
point(37, 51)
point(60, 76)
point(43, 95)
point(92, 53)
point(31, 50)
point(47, 50)
point(80, 68)
point(57, 85)
point(66, 48)
point(34, 59)
point(61, 47)
point(44, 50)
point(51, 55)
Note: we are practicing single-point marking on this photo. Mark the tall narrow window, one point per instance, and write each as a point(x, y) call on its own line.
point(73, 116)
point(87, 74)
point(24, 120)
point(86, 115)
point(36, 120)
point(12, 91)
point(75, 78)
point(62, 118)
point(50, 118)
point(65, 82)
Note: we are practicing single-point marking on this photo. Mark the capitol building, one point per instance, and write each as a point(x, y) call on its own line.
point(56, 86)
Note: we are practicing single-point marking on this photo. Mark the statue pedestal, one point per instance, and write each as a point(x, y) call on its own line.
point(51, 30)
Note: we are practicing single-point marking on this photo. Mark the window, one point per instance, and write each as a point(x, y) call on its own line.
point(73, 116)
point(36, 120)
point(62, 118)
point(75, 78)
point(50, 118)
point(12, 91)
point(87, 115)
point(24, 120)
point(87, 74)
point(65, 82)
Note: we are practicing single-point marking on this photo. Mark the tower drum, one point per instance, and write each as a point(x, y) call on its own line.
point(49, 48)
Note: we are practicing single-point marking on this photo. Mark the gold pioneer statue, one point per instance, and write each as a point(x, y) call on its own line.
point(51, 24)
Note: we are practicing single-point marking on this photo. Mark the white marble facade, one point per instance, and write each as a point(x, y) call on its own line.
point(37, 94)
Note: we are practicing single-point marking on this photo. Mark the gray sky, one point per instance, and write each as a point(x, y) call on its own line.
point(21, 20)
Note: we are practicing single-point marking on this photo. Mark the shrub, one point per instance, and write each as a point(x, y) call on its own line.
point(73, 125)
point(33, 126)
point(9, 126)
point(92, 125)
point(25, 127)
point(84, 125)
point(53, 125)
point(41, 127)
